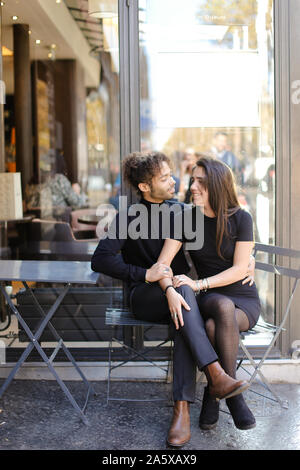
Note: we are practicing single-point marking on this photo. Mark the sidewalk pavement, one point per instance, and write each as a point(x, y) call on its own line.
point(35, 415)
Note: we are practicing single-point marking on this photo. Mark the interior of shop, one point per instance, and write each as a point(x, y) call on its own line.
point(60, 69)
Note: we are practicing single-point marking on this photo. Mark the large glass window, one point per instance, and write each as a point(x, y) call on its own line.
point(74, 60)
point(207, 87)
point(70, 93)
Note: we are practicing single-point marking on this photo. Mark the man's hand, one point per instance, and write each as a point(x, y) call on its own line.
point(250, 272)
point(157, 272)
point(176, 302)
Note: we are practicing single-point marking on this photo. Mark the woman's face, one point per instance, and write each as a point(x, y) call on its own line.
point(198, 190)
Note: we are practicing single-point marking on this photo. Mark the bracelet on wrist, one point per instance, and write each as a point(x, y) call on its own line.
point(165, 291)
point(205, 284)
point(202, 285)
point(198, 288)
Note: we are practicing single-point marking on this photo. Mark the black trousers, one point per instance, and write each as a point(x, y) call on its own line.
point(192, 347)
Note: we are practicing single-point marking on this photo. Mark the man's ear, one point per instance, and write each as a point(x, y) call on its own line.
point(144, 187)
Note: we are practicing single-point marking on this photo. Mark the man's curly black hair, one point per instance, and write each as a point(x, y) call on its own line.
point(142, 167)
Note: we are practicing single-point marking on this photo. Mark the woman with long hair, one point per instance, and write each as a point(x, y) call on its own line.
point(228, 304)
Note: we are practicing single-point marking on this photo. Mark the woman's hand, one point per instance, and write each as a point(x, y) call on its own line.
point(176, 302)
point(183, 280)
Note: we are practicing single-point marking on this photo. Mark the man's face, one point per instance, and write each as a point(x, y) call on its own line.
point(162, 185)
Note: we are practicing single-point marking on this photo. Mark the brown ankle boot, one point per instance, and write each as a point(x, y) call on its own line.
point(221, 385)
point(180, 432)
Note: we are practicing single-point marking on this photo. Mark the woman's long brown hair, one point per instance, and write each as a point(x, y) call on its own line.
point(222, 194)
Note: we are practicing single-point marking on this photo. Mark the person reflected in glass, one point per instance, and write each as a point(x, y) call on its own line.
point(55, 190)
point(228, 304)
point(221, 150)
point(65, 193)
point(186, 166)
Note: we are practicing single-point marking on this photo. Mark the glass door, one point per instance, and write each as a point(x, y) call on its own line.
point(207, 87)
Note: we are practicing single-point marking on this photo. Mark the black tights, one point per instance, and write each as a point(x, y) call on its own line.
point(223, 323)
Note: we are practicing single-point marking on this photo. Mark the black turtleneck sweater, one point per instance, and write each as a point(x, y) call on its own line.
point(127, 258)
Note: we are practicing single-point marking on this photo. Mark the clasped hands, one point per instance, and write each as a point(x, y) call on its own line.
point(161, 271)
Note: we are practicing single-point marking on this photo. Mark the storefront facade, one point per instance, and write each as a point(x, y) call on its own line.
point(211, 78)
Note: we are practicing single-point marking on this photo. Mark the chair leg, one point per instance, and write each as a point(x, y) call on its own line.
point(109, 371)
point(257, 371)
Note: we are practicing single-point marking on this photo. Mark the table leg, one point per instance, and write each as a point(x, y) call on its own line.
point(59, 339)
point(61, 383)
point(34, 338)
point(16, 368)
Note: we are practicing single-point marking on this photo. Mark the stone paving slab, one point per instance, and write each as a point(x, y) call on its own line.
point(35, 415)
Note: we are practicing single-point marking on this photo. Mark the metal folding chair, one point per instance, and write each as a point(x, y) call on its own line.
point(116, 317)
point(276, 330)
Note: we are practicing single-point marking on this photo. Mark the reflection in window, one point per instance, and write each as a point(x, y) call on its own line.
point(75, 115)
point(207, 88)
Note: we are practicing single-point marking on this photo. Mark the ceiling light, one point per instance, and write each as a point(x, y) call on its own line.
point(52, 52)
point(38, 41)
point(103, 8)
point(2, 4)
point(14, 18)
point(58, 1)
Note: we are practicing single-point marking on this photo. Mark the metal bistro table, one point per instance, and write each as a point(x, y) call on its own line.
point(67, 273)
